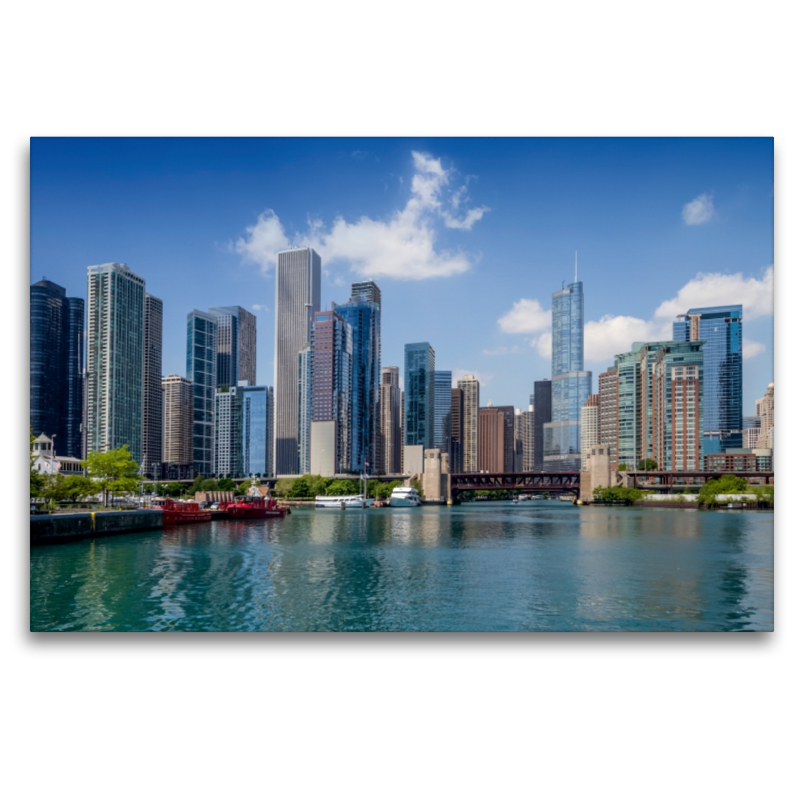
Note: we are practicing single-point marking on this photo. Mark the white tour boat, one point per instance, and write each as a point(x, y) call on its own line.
point(404, 496)
point(343, 501)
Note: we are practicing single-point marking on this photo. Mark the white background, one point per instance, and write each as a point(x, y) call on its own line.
point(230, 716)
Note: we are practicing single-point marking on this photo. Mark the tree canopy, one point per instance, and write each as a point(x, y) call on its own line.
point(113, 471)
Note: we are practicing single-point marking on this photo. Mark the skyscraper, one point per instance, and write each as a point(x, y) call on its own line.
point(257, 404)
point(442, 409)
point(765, 408)
point(608, 415)
point(470, 422)
point(297, 299)
point(508, 437)
point(228, 440)
point(304, 384)
point(236, 345)
point(178, 419)
point(720, 327)
point(492, 440)
point(152, 404)
point(420, 365)
point(542, 406)
point(571, 385)
point(364, 315)
point(114, 359)
point(456, 430)
point(56, 382)
point(390, 442)
point(201, 369)
point(528, 439)
point(590, 426)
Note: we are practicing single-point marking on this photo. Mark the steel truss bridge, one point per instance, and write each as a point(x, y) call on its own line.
point(519, 482)
point(668, 481)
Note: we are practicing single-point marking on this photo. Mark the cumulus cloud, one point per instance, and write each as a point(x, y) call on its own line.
point(699, 210)
point(611, 335)
point(526, 316)
point(400, 246)
point(259, 307)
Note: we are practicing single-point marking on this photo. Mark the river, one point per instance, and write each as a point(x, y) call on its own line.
point(533, 566)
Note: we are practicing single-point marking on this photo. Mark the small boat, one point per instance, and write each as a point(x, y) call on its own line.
point(255, 506)
point(404, 496)
point(176, 512)
point(343, 501)
point(515, 500)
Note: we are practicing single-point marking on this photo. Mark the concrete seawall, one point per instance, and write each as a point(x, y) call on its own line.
point(52, 528)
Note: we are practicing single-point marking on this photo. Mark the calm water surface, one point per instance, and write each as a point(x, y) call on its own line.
point(539, 566)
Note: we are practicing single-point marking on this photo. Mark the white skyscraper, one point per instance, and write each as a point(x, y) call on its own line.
point(297, 297)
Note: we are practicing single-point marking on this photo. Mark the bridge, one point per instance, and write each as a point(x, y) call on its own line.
point(518, 482)
point(667, 481)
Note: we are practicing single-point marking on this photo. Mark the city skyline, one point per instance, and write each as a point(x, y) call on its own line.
point(658, 211)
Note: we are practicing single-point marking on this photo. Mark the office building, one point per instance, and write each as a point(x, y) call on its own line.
point(178, 409)
point(470, 422)
point(442, 409)
point(420, 365)
point(491, 446)
point(304, 383)
point(720, 329)
point(297, 299)
point(571, 385)
point(257, 403)
point(608, 414)
point(402, 431)
point(331, 403)
point(236, 346)
point(518, 437)
point(508, 437)
point(114, 359)
point(542, 405)
point(390, 438)
point(152, 391)
point(751, 431)
point(590, 427)
point(56, 373)
point(765, 409)
point(529, 439)
point(364, 316)
point(456, 429)
point(201, 369)
point(228, 440)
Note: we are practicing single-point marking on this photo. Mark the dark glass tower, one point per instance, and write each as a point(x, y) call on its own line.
point(542, 409)
point(420, 365)
point(56, 382)
point(442, 409)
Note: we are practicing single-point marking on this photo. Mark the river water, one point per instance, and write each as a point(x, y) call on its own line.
point(538, 566)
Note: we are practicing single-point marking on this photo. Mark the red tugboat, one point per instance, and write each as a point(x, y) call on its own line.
point(254, 506)
point(176, 512)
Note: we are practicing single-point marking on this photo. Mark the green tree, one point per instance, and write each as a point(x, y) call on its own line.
point(317, 485)
point(622, 467)
point(209, 485)
point(725, 484)
point(341, 487)
point(300, 487)
point(113, 471)
point(195, 487)
point(173, 489)
point(284, 486)
point(37, 479)
point(617, 495)
point(75, 488)
point(226, 485)
point(243, 487)
point(415, 484)
point(648, 464)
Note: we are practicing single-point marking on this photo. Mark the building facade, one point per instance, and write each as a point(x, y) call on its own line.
point(304, 383)
point(543, 409)
point(442, 409)
point(420, 365)
point(491, 447)
point(236, 346)
point(228, 438)
point(590, 427)
point(178, 413)
point(56, 366)
point(456, 430)
point(528, 424)
point(152, 403)
point(470, 422)
point(720, 329)
point(570, 385)
point(201, 369)
point(608, 414)
point(257, 422)
point(114, 359)
point(390, 441)
point(765, 409)
point(297, 299)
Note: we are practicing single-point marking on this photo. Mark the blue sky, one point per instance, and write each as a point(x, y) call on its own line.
point(468, 238)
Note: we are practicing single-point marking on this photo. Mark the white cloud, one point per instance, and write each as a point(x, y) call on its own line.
point(610, 335)
point(526, 316)
point(717, 289)
point(543, 344)
point(502, 351)
point(751, 349)
point(400, 246)
point(700, 210)
point(483, 377)
point(259, 307)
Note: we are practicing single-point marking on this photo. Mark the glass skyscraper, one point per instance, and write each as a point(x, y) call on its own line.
point(236, 345)
point(720, 328)
point(56, 383)
point(442, 409)
point(201, 370)
point(420, 365)
point(257, 404)
point(570, 386)
point(363, 312)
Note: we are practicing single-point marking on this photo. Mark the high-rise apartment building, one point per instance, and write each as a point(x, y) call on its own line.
point(491, 447)
point(257, 404)
point(201, 369)
point(390, 442)
point(228, 440)
point(236, 345)
point(56, 382)
point(304, 384)
point(529, 439)
point(364, 315)
point(470, 422)
point(571, 385)
point(331, 385)
point(442, 409)
point(456, 430)
point(297, 299)
point(720, 329)
point(420, 365)
point(765, 409)
point(608, 415)
point(518, 440)
point(590, 427)
point(542, 404)
point(178, 405)
point(508, 437)
point(152, 400)
point(114, 359)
